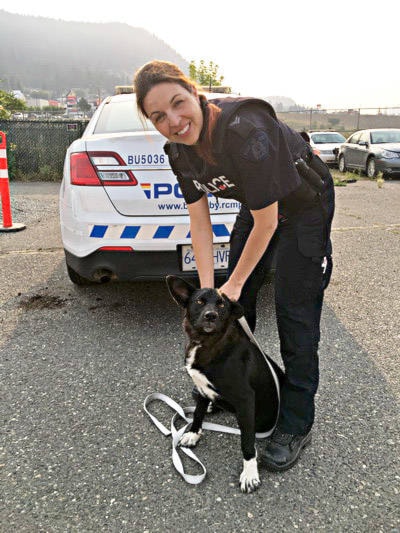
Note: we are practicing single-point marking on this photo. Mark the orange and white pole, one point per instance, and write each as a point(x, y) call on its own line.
point(5, 189)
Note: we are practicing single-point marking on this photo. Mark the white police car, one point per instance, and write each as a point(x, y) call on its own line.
point(122, 213)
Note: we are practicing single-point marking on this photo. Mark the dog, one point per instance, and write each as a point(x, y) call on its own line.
point(227, 368)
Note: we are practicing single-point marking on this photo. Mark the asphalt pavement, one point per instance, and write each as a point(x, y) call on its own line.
point(80, 455)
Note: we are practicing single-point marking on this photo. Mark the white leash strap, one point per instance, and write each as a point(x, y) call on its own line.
point(177, 434)
point(243, 322)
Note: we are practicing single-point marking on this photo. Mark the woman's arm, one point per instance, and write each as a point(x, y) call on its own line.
point(202, 240)
point(265, 224)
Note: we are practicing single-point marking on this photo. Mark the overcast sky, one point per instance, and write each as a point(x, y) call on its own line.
point(338, 54)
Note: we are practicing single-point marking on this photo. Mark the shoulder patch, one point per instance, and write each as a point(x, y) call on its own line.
point(256, 147)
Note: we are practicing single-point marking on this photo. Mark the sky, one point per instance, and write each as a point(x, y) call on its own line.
point(337, 54)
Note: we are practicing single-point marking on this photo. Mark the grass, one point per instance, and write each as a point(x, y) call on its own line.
point(341, 180)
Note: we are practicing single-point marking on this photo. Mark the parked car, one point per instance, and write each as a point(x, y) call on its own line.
point(372, 151)
point(17, 116)
point(325, 144)
point(122, 214)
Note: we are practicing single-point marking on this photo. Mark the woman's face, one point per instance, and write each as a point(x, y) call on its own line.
point(175, 112)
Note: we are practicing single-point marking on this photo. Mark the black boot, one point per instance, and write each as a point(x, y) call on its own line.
point(282, 450)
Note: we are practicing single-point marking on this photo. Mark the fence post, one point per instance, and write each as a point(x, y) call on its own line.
point(5, 189)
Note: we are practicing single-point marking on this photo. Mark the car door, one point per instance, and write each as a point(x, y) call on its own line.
point(351, 150)
point(363, 149)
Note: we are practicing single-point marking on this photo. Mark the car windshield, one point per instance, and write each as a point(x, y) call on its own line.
point(326, 138)
point(387, 136)
point(121, 117)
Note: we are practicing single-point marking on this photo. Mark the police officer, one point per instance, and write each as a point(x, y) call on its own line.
point(237, 148)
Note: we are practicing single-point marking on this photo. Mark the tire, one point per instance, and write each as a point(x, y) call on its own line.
point(342, 164)
point(370, 169)
point(76, 278)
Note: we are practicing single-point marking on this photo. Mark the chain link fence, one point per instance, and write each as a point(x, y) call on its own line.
point(346, 121)
point(36, 148)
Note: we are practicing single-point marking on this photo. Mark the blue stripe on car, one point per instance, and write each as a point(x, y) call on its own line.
point(130, 232)
point(220, 230)
point(99, 231)
point(163, 232)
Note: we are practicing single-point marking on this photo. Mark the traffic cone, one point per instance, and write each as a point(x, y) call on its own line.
point(5, 189)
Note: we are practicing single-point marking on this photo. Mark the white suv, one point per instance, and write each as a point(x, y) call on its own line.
point(122, 213)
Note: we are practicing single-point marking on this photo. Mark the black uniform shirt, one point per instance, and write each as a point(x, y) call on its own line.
point(256, 166)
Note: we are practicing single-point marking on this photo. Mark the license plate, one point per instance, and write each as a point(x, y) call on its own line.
point(221, 257)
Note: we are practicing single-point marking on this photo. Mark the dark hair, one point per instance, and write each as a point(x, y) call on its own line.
point(155, 72)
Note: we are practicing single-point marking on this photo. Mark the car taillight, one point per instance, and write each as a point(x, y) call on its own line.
point(100, 168)
point(82, 171)
point(111, 169)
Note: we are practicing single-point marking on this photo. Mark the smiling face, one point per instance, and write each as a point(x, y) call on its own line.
point(175, 112)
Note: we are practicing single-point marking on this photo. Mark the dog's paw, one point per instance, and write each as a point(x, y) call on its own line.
point(249, 479)
point(190, 439)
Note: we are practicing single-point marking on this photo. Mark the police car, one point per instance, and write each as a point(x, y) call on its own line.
point(122, 214)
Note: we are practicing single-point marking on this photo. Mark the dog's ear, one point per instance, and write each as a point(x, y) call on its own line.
point(180, 290)
point(236, 309)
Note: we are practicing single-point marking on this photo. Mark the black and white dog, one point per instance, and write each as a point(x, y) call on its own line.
point(228, 368)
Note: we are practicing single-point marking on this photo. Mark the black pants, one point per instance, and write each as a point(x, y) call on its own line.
point(300, 245)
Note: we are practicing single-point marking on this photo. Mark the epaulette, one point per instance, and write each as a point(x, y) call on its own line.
point(242, 126)
point(230, 120)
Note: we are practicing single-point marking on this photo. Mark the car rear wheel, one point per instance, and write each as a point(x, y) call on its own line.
point(76, 278)
point(371, 168)
point(342, 164)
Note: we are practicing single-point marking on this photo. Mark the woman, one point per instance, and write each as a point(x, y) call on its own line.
point(237, 148)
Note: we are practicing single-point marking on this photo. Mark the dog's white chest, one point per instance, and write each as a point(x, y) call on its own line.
point(201, 381)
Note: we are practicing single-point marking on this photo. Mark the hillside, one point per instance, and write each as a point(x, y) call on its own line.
point(56, 55)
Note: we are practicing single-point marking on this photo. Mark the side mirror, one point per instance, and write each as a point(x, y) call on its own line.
point(363, 143)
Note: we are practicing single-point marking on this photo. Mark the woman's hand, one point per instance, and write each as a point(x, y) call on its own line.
point(231, 289)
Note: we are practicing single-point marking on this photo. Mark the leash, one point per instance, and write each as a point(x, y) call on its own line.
point(243, 322)
point(182, 412)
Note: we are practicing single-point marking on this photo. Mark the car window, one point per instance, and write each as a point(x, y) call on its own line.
point(121, 117)
point(325, 138)
point(354, 138)
point(387, 136)
point(364, 137)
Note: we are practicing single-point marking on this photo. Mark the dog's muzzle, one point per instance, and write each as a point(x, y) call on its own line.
point(209, 321)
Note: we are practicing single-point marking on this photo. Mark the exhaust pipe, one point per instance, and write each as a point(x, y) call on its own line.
point(103, 275)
